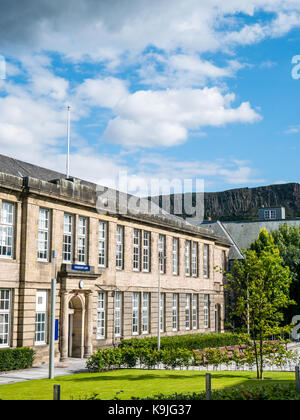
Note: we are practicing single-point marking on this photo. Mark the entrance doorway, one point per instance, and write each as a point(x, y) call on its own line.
point(76, 328)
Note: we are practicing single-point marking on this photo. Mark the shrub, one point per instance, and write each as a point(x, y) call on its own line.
point(15, 359)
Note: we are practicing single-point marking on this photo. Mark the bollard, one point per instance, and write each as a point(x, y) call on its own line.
point(298, 379)
point(56, 393)
point(208, 386)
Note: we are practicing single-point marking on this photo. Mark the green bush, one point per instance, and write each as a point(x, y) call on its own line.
point(256, 392)
point(15, 359)
point(189, 342)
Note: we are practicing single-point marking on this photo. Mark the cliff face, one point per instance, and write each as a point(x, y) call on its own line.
point(243, 203)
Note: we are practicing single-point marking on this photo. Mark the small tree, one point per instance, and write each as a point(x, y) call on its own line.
point(261, 286)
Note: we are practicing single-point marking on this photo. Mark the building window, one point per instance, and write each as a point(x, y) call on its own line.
point(102, 244)
point(118, 314)
point(43, 235)
point(206, 261)
point(175, 312)
point(101, 308)
point(206, 311)
point(162, 312)
point(41, 317)
point(175, 256)
point(195, 312)
point(68, 239)
point(270, 214)
point(5, 309)
point(82, 240)
point(119, 250)
point(161, 253)
point(188, 312)
point(224, 261)
point(7, 230)
point(136, 249)
point(146, 251)
point(187, 258)
point(135, 313)
point(195, 259)
point(146, 306)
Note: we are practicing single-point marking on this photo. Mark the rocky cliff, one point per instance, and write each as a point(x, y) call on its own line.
point(243, 203)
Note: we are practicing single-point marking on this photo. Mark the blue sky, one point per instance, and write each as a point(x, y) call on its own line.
point(161, 89)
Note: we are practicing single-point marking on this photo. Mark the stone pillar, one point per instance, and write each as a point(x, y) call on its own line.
point(88, 348)
point(64, 327)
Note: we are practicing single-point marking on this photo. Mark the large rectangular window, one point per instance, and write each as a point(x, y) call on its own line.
point(206, 261)
point(5, 316)
point(101, 318)
point(145, 310)
point(187, 258)
point(188, 311)
point(146, 251)
point(7, 230)
point(41, 317)
point(136, 249)
point(82, 240)
point(175, 312)
point(161, 253)
point(175, 256)
point(135, 313)
point(68, 238)
point(206, 311)
point(118, 314)
point(224, 261)
point(195, 312)
point(102, 244)
point(43, 235)
point(162, 312)
point(119, 248)
point(195, 259)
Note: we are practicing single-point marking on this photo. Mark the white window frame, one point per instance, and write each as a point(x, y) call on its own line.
point(162, 312)
point(101, 316)
point(195, 259)
point(175, 300)
point(146, 313)
point(5, 317)
point(44, 234)
point(68, 238)
point(120, 247)
point(188, 258)
point(41, 318)
point(102, 244)
point(175, 254)
point(188, 298)
point(82, 240)
point(118, 313)
point(206, 310)
point(136, 250)
point(146, 251)
point(161, 253)
point(7, 230)
point(136, 313)
point(206, 262)
point(195, 312)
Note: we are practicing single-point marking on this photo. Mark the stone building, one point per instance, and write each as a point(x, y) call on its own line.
point(106, 263)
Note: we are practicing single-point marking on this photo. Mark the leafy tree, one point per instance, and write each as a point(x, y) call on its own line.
point(261, 284)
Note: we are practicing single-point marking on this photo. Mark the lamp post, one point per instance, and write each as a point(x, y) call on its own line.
point(162, 258)
point(52, 319)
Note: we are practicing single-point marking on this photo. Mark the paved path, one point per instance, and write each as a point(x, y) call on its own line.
point(41, 372)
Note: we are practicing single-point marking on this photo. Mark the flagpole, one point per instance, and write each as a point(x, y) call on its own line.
point(68, 147)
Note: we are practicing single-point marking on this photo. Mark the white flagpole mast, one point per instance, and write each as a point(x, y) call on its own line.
point(68, 147)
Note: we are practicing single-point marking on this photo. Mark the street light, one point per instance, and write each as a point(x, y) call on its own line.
point(52, 317)
point(163, 258)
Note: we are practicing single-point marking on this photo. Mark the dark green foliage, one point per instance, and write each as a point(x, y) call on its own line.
point(15, 359)
point(189, 342)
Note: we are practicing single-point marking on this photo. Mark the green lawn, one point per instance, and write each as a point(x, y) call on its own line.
point(138, 383)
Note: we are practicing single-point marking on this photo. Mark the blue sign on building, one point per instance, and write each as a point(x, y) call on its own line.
point(56, 329)
point(76, 267)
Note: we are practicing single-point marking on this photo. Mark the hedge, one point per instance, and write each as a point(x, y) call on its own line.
point(264, 392)
point(189, 342)
point(15, 359)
